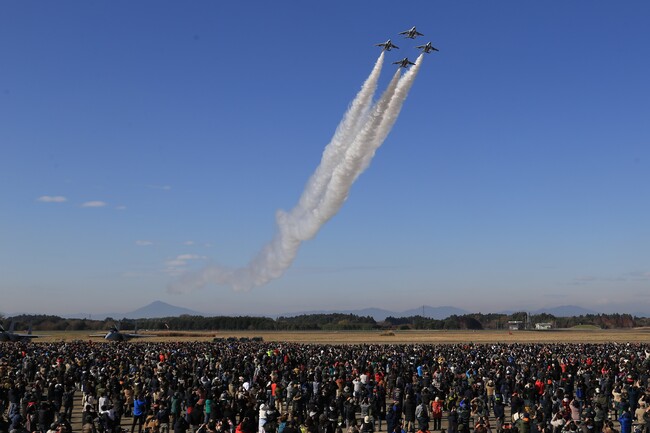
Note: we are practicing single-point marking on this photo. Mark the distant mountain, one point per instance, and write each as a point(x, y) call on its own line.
point(565, 311)
point(151, 311)
point(160, 309)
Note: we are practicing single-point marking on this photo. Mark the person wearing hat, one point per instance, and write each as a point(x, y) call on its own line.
point(262, 417)
point(490, 392)
point(367, 425)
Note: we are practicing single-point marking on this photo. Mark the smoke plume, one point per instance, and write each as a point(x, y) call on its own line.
point(363, 128)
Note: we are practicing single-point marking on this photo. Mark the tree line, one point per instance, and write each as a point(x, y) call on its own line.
point(315, 322)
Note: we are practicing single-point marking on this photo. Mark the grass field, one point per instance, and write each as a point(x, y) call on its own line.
point(379, 337)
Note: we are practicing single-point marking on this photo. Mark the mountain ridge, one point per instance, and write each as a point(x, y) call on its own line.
point(158, 309)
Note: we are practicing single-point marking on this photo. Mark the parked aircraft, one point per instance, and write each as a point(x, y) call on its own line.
point(387, 45)
point(114, 334)
point(404, 63)
point(411, 33)
point(10, 335)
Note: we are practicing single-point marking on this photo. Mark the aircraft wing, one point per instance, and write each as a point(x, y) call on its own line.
point(22, 337)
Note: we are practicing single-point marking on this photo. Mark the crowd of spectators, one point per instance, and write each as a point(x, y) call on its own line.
point(270, 387)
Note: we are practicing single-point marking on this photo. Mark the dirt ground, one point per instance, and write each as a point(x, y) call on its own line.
point(382, 337)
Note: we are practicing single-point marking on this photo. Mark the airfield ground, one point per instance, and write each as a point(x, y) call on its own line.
point(368, 337)
point(382, 337)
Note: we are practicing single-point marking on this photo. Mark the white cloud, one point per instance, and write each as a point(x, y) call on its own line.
point(639, 276)
point(178, 265)
point(161, 187)
point(190, 257)
point(188, 243)
point(136, 274)
point(94, 203)
point(52, 199)
point(627, 277)
point(143, 242)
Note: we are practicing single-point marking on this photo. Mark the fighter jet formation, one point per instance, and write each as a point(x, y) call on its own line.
point(361, 131)
point(411, 33)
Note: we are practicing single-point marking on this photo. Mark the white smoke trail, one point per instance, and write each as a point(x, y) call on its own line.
point(355, 142)
point(373, 134)
point(392, 112)
point(350, 125)
point(345, 172)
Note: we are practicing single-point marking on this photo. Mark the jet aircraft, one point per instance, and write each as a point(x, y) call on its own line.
point(387, 45)
point(10, 335)
point(114, 334)
point(428, 48)
point(411, 33)
point(404, 63)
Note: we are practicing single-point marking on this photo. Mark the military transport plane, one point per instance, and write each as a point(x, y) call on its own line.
point(10, 335)
point(428, 48)
point(114, 334)
point(387, 45)
point(411, 33)
point(404, 63)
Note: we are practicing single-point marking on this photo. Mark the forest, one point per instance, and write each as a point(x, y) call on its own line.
point(325, 322)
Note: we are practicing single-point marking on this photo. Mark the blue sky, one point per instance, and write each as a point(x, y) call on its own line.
point(142, 139)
